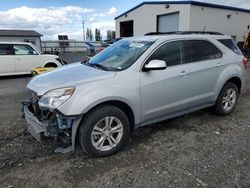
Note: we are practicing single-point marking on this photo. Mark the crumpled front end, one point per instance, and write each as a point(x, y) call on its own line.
point(45, 123)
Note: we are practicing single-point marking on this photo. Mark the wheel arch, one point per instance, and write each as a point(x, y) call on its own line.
point(50, 64)
point(117, 103)
point(234, 79)
point(121, 105)
point(237, 81)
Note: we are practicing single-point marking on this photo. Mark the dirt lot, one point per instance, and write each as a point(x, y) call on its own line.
point(195, 150)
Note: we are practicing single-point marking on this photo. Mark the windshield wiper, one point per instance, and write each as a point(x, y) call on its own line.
point(98, 66)
point(85, 62)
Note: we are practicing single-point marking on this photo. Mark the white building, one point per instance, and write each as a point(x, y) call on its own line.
point(30, 36)
point(168, 16)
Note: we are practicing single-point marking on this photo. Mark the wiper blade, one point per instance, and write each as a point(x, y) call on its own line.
point(98, 66)
point(86, 61)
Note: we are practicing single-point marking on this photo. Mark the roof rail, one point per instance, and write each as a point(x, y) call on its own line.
point(184, 33)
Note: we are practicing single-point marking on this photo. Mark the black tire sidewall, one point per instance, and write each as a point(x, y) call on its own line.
point(88, 124)
point(218, 106)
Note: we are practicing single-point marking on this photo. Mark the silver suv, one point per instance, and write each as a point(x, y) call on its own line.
point(135, 82)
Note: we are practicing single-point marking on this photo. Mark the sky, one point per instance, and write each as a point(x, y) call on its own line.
point(54, 17)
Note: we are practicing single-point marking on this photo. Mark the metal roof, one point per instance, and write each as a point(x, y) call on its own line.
point(19, 33)
point(185, 2)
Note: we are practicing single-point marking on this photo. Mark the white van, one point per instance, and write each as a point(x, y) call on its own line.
point(20, 57)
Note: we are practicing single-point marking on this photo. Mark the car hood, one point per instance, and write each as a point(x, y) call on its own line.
point(70, 75)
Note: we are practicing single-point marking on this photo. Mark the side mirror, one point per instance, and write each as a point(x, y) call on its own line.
point(155, 65)
point(34, 53)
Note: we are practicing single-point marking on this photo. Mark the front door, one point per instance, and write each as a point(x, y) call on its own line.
point(25, 59)
point(165, 92)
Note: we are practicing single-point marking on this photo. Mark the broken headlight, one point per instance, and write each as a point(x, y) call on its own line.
point(54, 98)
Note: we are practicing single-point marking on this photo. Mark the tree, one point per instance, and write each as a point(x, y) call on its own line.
point(113, 35)
point(89, 34)
point(83, 31)
point(110, 35)
point(97, 34)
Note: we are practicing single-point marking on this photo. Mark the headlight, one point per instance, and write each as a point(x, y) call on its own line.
point(54, 98)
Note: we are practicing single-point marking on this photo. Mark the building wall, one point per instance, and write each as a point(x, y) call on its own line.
point(145, 17)
point(21, 39)
point(215, 19)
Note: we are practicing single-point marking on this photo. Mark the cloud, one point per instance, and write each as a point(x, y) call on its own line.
point(112, 11)
point(48, 21)
point(246, 6)
point(235, 3)
point(103, 26)
point(91, 19)
point(99, 15)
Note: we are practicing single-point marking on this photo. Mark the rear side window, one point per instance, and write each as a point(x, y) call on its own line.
point(199, 50)
point(6, 49)
point(229, 43)
point(170, 52)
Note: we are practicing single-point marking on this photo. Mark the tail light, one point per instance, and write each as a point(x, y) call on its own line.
point(244, 61)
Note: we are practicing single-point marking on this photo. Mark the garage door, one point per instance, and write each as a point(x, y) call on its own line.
point(168, 22)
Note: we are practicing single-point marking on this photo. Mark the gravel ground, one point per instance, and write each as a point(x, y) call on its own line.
point(196, 150)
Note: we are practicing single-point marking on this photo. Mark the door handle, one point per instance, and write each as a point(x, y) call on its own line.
point(183, 73)
point(18, 58)
point(219, 64)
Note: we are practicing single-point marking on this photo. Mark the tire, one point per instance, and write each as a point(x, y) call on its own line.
point(223, 106)
point(94, 131)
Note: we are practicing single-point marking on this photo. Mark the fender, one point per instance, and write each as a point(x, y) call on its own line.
point(231, 71)
point(92, 95)
point(77, 121)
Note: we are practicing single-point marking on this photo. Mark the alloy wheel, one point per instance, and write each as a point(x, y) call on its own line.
point(107, 133)
point(229, 99)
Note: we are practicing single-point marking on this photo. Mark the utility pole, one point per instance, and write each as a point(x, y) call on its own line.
point(83, 32)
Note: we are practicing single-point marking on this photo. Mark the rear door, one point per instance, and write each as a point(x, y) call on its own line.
point(25, 59)
point(7, 62)
point(205, 65)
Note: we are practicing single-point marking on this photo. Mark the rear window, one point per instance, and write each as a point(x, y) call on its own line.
point(6, 49)
point(229, 43)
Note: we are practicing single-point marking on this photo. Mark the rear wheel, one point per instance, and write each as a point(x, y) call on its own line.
point(227, 99)
point(104, 131)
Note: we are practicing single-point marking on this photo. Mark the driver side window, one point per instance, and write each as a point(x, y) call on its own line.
point(170, 52)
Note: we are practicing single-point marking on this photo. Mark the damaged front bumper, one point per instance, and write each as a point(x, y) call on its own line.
point(43, 123)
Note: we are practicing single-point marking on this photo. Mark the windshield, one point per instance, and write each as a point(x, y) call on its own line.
point(120, 55)
point(37, 49)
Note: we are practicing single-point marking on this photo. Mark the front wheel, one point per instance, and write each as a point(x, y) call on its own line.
point(227, 99)
point(104, 131)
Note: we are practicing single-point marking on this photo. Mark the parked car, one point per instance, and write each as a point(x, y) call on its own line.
point(20, 57)
point(135, 82)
